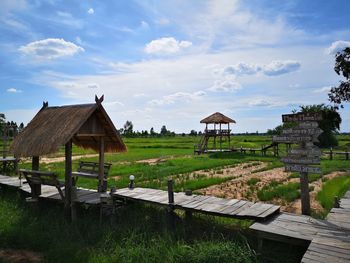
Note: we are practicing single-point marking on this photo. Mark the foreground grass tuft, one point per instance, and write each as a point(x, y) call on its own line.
point(332, 188)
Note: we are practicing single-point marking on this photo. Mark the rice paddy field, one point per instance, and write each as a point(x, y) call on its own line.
point(140, 233)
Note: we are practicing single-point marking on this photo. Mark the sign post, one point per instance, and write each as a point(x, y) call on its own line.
point(303, 158)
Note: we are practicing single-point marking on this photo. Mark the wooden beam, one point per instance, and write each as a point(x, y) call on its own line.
point(102, 183)
point(90, 135)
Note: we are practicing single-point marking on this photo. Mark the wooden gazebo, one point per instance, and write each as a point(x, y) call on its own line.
point(85, 125)
point(216, 120)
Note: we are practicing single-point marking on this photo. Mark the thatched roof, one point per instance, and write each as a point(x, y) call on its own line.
point(217, 117)
point(53, 127)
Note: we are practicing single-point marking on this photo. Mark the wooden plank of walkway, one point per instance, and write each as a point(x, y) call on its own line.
point(327, 250)
point(204, 204)
point(330, 239)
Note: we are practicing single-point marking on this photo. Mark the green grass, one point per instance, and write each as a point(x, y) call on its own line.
point(332, 188)
point(253, 181)
point(138, 234)
point(288, 192)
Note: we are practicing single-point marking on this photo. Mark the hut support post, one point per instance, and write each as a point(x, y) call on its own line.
point(68, 181)
point(220, 138)
point(229, 136)
point(36, 188)
point(102, 183)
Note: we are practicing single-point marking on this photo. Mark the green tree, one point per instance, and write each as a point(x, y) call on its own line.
point(193, 133)
point(342, 67)
point(128, 128)
point(330, 123)
point(2, 123)
point(163, 131)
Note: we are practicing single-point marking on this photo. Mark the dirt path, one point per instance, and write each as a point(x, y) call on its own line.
point(62, 159)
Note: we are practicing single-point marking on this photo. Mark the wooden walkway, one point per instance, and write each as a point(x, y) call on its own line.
point(329, 239)
point(84, 196)
point(204, 204)
point(197, 203)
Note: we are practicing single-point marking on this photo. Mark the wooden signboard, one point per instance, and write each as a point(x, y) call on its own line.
point(296, 160)
point(291, 139)
point(302, 131)
point(298, 117)
point(299, 159)
point(303, 168)
point(314, 151)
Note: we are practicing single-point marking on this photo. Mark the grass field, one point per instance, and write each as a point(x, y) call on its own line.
point(138, 233)
point(176, 157)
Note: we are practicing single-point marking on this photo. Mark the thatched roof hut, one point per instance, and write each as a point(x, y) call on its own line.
point(217, 117)
point(53, 127)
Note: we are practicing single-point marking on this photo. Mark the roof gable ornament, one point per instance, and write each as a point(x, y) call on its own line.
point(99, 100)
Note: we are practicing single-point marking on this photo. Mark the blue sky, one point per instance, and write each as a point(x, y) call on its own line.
point(172, 62)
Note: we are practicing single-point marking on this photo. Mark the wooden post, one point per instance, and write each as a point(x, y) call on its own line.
point(68, 181)
point(170, 191)
point(336, 203)
point(304, 192)
point(102, 183)
point(220, 137)
point(4, 142)
point(346, 155)
point(36, 188)
point(229, 136)
point(331, 154)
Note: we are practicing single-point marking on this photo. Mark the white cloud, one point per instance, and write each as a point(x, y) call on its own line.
point(241, 69)
point(338, 46)
point(225, 85)
point(93, 86)
point(13, 90)
point(166, 45)
point(14, 24)
point(140, 95)
point(50, 48)
point(8, 6)
point(177, 97)
point(113, 103)
point(276, 68)
point(144, 25)
point(325, 89)
point(64, 14)
point(163, 21)
point(91, 11)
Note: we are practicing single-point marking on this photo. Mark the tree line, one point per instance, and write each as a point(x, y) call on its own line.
point(9, 128)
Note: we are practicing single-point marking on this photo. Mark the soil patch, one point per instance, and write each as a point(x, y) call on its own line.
point(20, 256)
point(238, 188)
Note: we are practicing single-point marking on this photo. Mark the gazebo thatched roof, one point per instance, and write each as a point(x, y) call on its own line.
point(53, 127)
point(217, 117)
